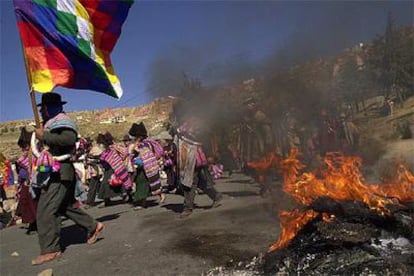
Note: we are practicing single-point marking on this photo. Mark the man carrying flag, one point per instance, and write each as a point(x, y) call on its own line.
point(57, 197)
point(65, 43)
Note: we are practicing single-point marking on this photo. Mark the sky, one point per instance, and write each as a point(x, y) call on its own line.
point(216, 41)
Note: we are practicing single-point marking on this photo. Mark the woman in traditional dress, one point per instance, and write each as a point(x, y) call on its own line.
point(146, 153)
point(116, 178)
point(142, 191)
point(5, 172)
point(26, 207)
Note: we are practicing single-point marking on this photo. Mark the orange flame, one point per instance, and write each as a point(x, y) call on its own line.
point(290, 167)
point(291, 223)
point(402, 188)
point(264, 165)
point(327, 218)
point(341, 180)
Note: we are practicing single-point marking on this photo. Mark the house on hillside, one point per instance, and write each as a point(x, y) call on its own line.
point(118, 119)
point(109, 116)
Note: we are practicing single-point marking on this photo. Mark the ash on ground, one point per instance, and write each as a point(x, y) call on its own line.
point(250, 268)
point(352, 251)
point(357, 242)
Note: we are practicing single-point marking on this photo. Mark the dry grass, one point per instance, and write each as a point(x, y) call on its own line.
point(154, 115)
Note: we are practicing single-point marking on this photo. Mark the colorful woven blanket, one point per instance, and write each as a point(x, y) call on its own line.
point(112, 157)
point(151, 166)
point(23, 164)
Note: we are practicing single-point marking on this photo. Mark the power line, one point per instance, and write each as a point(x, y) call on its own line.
point(222, 64)
point(216, 64)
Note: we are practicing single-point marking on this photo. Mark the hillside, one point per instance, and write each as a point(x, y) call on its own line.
point(382, 145)
point(90, 123)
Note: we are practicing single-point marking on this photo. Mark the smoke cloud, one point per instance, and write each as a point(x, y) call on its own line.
point(265, 37)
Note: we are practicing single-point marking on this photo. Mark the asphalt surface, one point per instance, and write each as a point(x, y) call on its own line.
point(156, 241)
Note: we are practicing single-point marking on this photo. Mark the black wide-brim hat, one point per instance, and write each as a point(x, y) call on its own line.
point(138, 130)
point(51, 98)
point(106, 139)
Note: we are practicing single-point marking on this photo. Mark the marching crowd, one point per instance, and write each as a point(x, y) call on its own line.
point(62, 174)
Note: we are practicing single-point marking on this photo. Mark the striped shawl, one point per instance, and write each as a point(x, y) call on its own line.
point(114, 160)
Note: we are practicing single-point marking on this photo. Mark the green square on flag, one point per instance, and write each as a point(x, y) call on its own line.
point(47, 3)
point(66, 23)
point(85, 46)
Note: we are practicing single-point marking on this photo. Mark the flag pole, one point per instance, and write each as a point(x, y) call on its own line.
point(34, 107)
point(29, 84)
point(31, 91)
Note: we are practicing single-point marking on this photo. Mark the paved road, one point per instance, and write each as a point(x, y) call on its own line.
point(156, 241)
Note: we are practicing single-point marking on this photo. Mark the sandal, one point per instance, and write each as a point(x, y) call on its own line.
point(94, 237)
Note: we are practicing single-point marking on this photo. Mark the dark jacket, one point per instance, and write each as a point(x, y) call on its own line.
point(62, 141)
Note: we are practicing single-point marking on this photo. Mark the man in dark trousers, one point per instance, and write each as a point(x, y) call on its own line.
point(194, 169)
point(59, 134)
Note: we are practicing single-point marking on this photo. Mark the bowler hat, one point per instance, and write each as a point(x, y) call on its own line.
point(51, 98)
point(138, 130)
point(106, 139)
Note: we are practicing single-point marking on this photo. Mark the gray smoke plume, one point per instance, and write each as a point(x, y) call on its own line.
point(312, 30)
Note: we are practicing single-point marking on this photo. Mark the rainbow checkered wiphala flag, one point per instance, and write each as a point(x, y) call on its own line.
point(68, 42)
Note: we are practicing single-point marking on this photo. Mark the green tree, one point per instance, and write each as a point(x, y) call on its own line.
point(391, 57)
point(355, 83)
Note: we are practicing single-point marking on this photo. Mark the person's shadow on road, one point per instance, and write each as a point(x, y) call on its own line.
point(176, 208)
point(74, 234)
point(109, 217)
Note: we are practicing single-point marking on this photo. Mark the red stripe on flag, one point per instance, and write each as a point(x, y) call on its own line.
point(110, 41)
point(101, 20)
point(56, 59)
point(31, 37)
point(60, 67)
point(90, 4)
